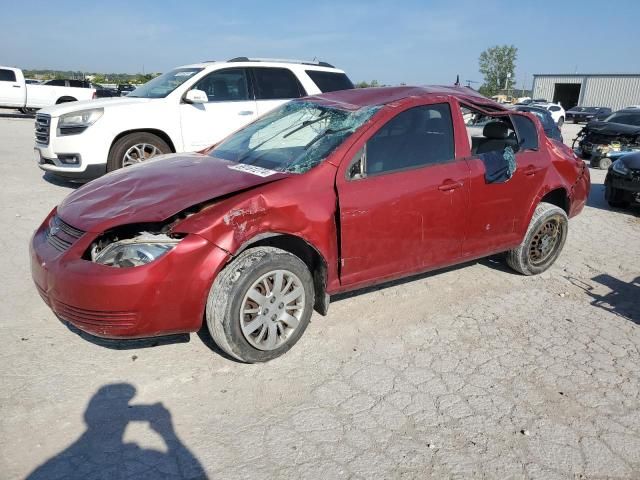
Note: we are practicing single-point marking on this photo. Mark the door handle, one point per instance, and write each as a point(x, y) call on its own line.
point(245, 112)
point(16, 86)
point(531, 170)
point(450, 185)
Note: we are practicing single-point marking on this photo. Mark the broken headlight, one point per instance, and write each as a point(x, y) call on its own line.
point(133, 252)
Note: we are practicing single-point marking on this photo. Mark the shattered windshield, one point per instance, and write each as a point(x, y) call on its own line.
point(293, 138)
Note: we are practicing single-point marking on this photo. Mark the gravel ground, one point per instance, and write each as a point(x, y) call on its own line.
point(473, 372)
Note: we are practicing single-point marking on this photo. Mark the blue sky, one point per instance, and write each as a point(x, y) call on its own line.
point(415, 42)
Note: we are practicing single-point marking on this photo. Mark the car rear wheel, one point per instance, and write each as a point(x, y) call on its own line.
point(260, 304)
point(560, 122)
point(135, 148)
point(615, 197)
point(604, 163)
point(543, 242)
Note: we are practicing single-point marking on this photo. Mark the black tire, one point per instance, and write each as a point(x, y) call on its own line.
point(122, 145)
point(228, 292)
point(615, 197)
point(65, 100)
point(560, 122)
point(575, 120)
point(522, 258)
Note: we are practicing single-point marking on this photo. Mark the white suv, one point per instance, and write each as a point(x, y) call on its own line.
point(184, 110)
point(555, 109)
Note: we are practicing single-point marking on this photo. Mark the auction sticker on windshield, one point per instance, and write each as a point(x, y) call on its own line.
point(259, 171)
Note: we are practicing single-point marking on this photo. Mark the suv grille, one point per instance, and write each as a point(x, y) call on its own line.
point(61, 235)
point(43, 127)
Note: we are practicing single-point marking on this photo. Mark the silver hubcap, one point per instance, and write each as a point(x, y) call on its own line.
point(139, 153)
point(271, 309)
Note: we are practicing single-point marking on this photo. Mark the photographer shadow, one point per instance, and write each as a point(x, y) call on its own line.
point(100, 452)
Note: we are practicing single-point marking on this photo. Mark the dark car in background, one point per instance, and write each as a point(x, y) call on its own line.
point(551, 130)
point(125, 89)
point(586, 114)
point(622, 184)
point(600, 140)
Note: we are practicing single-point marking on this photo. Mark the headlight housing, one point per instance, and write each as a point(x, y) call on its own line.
point(77, 122)
point(134, 252)
point(619, 167)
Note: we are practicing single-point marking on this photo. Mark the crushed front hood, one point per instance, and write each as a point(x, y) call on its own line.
point(154, 191)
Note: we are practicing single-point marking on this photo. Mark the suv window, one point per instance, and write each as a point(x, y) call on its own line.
point(329, 81)
point(276, 83)
point(7, 75)
point(527, 133)
point(225, 85)
point(77, 83)
point(56, 83)
point(414, 138)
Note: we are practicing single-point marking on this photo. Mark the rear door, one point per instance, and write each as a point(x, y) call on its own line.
point(231, 106)
point(497, 209)
point(275, 86)
point(402, 197)
point(12, 90)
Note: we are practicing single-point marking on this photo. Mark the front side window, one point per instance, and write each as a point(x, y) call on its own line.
point(414, 138)
point(225, 85)
point(7, 75)
point(293, 138)
point(329, 81)
point(166, 83)
point(276, 83)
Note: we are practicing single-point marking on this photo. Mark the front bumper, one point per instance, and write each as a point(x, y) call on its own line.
point(629, 183)
point(90, 148)
point(164, 297)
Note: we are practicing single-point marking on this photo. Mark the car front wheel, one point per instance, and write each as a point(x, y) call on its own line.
point(135, 148)
point(260, 304)
point(543, 241)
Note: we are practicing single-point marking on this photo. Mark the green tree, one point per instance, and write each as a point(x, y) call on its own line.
point(498, 65)
point(372, 83)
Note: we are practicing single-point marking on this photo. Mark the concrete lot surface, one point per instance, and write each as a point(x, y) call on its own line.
point(474, 372)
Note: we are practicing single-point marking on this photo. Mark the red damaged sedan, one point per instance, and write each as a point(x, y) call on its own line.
point(325, 194)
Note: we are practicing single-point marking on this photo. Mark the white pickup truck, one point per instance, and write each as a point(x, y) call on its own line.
point(186, 109)
point(16, 93)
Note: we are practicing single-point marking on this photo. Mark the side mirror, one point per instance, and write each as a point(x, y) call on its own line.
point(196, 96)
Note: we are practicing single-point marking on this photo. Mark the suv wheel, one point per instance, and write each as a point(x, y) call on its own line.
point(135, 148)
point(260, 304)
point(560, 122)
point(543, 242)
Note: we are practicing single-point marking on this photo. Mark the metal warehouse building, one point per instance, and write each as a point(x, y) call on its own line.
point(613, 90)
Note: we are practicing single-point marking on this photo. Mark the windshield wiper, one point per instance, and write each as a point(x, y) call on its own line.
point(328, 131)
point(305, 124)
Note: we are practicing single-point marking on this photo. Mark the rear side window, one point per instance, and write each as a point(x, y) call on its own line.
point(414, 138)
point(225, 85)
point(329, 81)
point(554, 109)
point(526, 132)
point(277, 83)
point(7, 76)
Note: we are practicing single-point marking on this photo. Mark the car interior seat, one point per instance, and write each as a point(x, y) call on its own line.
point(497, 136)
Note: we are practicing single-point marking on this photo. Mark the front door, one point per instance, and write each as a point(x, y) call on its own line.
point(403, 198)
point(12, 92)
point(230, 107)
